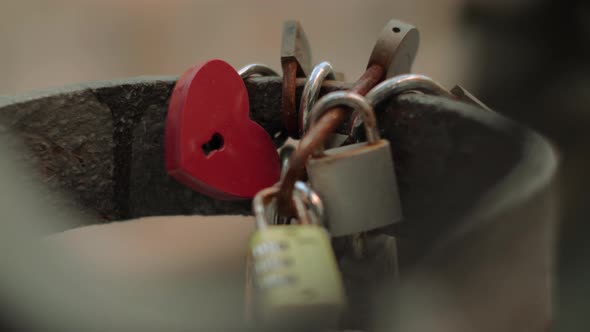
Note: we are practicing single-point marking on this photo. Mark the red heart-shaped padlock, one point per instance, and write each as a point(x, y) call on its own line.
point(212, 145)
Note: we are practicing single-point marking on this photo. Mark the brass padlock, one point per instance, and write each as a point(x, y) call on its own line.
point(294, 270)
point(357, 183)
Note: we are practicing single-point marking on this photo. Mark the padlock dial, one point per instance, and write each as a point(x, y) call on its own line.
point(296, 275)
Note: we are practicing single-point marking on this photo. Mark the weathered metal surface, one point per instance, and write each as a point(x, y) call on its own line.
point(289, 101)
point(69, 134)
point(481, 216)
point(103, 144)
point(476, 189)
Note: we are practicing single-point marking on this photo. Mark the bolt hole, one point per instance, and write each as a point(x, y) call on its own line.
point(396, 30)
point(214, 144)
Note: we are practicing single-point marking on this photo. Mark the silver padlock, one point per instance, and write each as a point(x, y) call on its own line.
point(405, 83)
point(256, 69)
point(398, 85)
point(357, 182)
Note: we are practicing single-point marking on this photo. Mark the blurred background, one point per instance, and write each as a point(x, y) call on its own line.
point(53, 43)
point(528, 59)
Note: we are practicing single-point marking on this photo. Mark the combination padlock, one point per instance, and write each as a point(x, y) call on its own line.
point(357, 183)
point(294, 270)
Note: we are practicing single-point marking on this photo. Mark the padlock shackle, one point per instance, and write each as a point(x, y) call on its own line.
point(260, 204)
point(397, 85)
point(256, 69)
point(304, 199)
point(350, 99)
point(307, 195)
point(404, 83)
point(285, 157)
point(311, 92)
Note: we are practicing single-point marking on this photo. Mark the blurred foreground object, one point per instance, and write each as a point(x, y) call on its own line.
point(159, 247)
point(98, 280)
point(532, 63)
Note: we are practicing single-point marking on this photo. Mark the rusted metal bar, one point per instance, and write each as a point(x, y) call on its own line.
point(296, 62)
point(288, 101)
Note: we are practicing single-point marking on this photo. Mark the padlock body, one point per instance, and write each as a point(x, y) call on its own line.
point(296, 276)
point(358, 187)
point(396, 48)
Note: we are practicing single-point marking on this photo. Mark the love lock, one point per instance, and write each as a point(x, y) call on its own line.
point(212, 145)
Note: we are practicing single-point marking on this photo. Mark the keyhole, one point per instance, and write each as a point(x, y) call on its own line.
point(396, 30)
point(214, 144)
